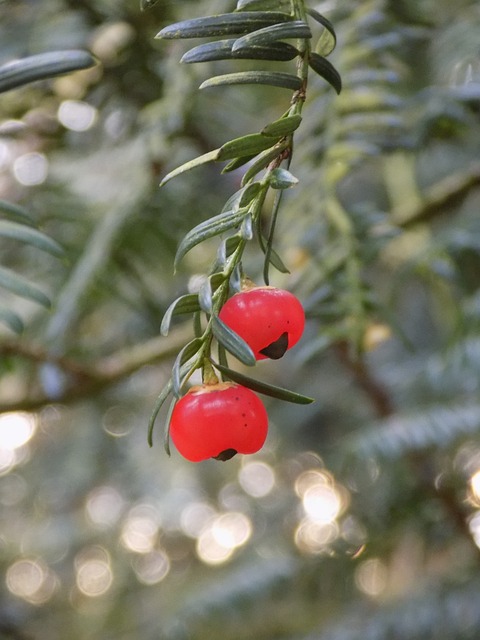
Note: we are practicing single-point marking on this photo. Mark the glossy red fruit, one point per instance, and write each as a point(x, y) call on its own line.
point(218, 421)
point(270, 320)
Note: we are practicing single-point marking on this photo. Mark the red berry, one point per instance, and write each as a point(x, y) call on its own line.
point(270, 320)
point(218, 421)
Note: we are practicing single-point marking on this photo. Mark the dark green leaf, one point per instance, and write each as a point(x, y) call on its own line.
point(17, 284)
point(232, 342)
point(250, 144)
point(167, 389)
point(236, 279)
point(217, 279)
point(222, 50)
point(247, 228)
point(43, 65)
point(282, 127)
point(191, 164)
point(264, 160)
point(208, 229)
point(326, 70)
point(249, 193)
point(205, 296)
point(262, 387)
point(282, 179)
point(197, 324)
point(271, 78)
point(223, 24)
point(328, 40)
point(264, 5)
point(273, 33)
point(16, 212)
point(237, 162)
point(225, 249)
point(11, 320)
point(27, 234)
point(184, 304)
point(166, 433)
point(276, 261)
point(179, 371)
point(271, 234)
point(222, 355)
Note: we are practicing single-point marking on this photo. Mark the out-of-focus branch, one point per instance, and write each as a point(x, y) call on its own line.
point(383, 405)
point(84, 379)
point(444, 193)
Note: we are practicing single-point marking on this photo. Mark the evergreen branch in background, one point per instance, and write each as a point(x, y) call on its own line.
point(260, 30)
point(18, 225)
point(82, 380)
point(43, 66)
point(440, 612)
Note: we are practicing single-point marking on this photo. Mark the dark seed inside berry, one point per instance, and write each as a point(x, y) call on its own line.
point(226, 455)
point(276, 349)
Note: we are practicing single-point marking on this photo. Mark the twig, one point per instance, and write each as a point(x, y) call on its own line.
point(83, 380)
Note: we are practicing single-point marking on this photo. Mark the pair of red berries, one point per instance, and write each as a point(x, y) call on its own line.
point(220, 420)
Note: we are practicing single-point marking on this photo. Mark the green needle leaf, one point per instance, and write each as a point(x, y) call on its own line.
point(167, 389)
point(328, 40)
point(166, 434)
point(208, 229)
point(282, 127)
point(205, 296)
point(271, 78)
point(223, 24)
point(41, 66)
point(222, 50)
point(266, 5)
point(250, 144)
point(196, 162)
point(27, 234)
point(17, 213)
point(263, 161)
point(11, 320)
point(184, 304)
point(236, 163)
point(232, 342)
point(273, 33)
point(22, 287)
point(179, 371)
point(326, 70)
point(262, 387)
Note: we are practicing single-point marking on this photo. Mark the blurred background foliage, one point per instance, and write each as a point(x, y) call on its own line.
point(360, 518)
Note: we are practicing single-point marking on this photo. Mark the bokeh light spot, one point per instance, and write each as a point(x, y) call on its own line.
point(140, 530)
point(31, 169)
point(257, 479)
point(76, 115)
point(194, 518)
point(474, 526)
point(16, 429)
point(224, 534)
point(314, 537)
point(475, 485)
point(371, 577)
point(322, 503)
point(31, 580)
point(152, 567)
point(104, 506)
point(94, 578)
